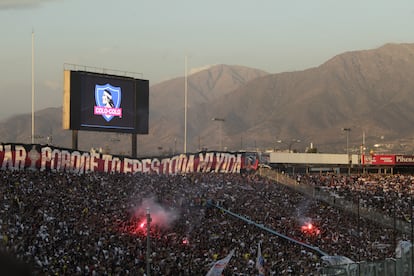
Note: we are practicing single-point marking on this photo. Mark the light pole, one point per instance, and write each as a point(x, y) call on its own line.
point(412, 232)
point(221, 120)
point(148, 242)
point(347, 130)
point(33, 120)
point(289, 144)
point(185, 107)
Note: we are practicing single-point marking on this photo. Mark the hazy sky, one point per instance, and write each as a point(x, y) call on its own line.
point(153, 38)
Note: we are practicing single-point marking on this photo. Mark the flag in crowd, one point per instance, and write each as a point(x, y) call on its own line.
point(260, 261)
point(220, 265)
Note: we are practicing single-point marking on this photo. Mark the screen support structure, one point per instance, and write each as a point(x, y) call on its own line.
point(134, 145)
point(75, 139)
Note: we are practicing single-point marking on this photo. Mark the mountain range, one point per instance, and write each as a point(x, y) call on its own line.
point(368, 93)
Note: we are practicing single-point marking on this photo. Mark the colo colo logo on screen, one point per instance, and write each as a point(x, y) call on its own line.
point(108, 100)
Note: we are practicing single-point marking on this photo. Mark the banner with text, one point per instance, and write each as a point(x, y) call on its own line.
point(45, 157)
point(404, 159)
point(378, 159)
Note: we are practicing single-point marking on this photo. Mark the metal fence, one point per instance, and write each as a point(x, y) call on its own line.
point(387, 267)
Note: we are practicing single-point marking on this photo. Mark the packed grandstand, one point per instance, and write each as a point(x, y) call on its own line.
point(55, 221)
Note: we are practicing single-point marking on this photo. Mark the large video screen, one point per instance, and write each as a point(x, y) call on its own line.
point(102, 102)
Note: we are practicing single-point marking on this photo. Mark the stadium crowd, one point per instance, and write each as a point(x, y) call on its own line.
point(390, 194)
point(92, 224)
